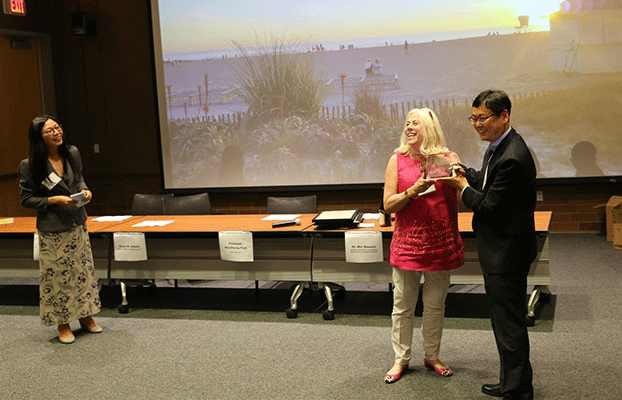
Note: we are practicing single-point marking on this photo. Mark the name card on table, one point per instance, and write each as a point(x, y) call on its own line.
point(129, 246)
point(236, 246)
point(363, 247)
point(35, 247)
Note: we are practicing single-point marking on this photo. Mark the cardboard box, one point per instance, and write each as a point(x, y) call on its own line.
point(617, 236)
point(613, 215)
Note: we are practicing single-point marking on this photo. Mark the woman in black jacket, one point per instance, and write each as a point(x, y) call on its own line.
point(68, 288)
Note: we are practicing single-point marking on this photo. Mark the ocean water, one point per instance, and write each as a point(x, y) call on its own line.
point(357, 43)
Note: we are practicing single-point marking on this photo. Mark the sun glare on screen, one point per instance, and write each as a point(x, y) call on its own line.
point(538, 11)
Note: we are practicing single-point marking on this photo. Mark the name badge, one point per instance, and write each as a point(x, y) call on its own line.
point(51, 181)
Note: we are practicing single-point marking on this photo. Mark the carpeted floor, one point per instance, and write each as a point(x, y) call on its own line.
point(215, 340)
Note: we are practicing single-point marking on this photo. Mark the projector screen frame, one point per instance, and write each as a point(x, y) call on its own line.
point(166, 164)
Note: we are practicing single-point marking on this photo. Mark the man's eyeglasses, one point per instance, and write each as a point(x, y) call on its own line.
point(475, 119)
point(52, 129)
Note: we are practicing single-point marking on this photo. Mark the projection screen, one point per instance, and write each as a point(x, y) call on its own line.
point(281, 93)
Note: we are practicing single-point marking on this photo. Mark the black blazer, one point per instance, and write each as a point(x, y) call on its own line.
point(54, 218)
point(503, 218)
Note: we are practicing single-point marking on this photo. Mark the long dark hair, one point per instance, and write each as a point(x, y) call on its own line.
point(38, 152)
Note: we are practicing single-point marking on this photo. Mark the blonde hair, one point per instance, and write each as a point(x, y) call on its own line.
point(433, 141)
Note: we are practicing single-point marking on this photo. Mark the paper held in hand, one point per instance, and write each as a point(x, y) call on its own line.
point(80, 198)
point(439, 165)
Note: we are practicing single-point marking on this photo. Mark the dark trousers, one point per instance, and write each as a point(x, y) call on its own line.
point(506, 295)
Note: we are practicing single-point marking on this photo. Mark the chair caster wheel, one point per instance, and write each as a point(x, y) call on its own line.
point(124, 309)
point(531, 321)
point(291, 313)
point(328, 315)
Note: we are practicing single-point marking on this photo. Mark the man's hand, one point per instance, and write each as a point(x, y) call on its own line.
point(458, 181)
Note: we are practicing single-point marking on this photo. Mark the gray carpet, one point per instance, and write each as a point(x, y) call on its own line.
point(248, 349)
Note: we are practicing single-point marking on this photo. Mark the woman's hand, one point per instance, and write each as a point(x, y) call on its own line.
point(394, 201)
point(62, 201)
point(87, 194)
point(420, 186)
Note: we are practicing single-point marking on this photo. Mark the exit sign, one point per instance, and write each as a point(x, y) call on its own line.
point(14, 7)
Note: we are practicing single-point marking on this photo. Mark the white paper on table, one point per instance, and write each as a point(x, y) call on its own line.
point(371, 216)
point(363, 246)
point(129, 246)
point(112, 218)
point(281, 217)
point(236, 246)
point(35, 247)
point(366, 225)
point(153, 223)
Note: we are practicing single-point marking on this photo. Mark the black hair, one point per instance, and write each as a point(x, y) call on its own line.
point(38, 152)
point(495, 100)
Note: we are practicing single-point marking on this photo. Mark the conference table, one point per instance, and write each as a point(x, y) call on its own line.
point(187, 247)
point(16, 250)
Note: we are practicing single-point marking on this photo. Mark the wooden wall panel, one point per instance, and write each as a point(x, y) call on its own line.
point(20, 100)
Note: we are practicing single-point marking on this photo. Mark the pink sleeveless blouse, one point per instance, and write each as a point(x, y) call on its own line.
point(426, 235)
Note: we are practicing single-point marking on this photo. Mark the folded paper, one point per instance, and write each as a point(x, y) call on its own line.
point(363, 247)
point(236, 246)
point(129, 246)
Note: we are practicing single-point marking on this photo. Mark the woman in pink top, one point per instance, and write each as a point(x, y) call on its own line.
point(426, 240)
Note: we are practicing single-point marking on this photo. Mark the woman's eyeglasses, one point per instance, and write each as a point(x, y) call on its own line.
point(51, 130)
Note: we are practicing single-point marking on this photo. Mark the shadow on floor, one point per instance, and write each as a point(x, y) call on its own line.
point(458, 305)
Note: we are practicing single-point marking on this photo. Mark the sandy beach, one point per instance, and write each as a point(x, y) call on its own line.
point(455, 69)
point(458, 70)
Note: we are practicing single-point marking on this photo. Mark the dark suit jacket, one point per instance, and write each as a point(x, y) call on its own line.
point(35, 195)
point(503, 218)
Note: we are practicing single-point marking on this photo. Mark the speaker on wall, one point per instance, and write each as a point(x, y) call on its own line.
point(82, 26)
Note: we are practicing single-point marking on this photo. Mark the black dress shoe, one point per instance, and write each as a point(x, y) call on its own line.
point(521, 396)
point(492, 389)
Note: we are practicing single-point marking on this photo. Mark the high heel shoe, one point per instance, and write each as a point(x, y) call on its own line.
point(441, 371)
point(89, 325)
point(392, 378)
point(65, 335)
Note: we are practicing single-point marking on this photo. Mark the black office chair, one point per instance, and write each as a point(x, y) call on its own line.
point(149, 204)
point(304, 205)
point(143, 204)
point(197, 204)
point(292, 205)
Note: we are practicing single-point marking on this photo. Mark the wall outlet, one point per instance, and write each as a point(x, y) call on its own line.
point(539, 195)
point(96, 148)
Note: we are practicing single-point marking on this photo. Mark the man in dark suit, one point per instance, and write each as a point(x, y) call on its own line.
point(502, 196)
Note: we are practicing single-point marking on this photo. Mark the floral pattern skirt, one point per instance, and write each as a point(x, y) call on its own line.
point(68, 288)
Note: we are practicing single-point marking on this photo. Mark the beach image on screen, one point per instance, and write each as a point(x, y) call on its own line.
point(307, 93)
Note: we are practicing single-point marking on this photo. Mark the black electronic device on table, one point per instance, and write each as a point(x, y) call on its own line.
point(335, 219)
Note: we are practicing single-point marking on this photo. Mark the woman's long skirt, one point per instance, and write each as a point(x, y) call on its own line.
point(68, 288)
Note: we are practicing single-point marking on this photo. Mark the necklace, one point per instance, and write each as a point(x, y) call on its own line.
point(58, 165)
